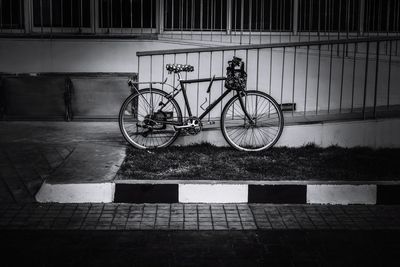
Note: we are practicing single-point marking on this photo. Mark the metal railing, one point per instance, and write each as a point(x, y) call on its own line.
point(277, 21)
point(11, 15)
point(318, 78)
point(221, 21)
point(127, 16)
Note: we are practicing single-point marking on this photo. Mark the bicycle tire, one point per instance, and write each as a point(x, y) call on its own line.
point(141, 136)
point(257, 104)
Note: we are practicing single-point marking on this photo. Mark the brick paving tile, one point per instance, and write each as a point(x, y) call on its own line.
point(196, 217)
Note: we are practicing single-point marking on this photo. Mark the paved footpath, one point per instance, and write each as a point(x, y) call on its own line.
point(34, 234)
point(199, 217)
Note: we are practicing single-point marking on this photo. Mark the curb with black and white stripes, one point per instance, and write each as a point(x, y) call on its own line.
point(201, 191)
point(283, 192)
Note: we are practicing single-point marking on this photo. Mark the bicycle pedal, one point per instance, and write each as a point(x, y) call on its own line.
point(210, 122)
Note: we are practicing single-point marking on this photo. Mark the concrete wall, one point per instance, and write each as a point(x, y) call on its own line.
point(113, 55)
point(35, 55)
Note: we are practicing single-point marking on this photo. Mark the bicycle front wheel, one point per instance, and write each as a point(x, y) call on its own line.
point(147, 119)
point(259, 133)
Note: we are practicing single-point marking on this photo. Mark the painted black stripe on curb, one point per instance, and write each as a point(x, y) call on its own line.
point(388, 194)
point(145, 193)
point(278, 194)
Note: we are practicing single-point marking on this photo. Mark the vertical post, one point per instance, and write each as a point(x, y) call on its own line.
point(28, 16)
point(160, 17)
point(376, 76)
point(362, 14)
point(365, 80)
point(94, 15)
point(295, 16)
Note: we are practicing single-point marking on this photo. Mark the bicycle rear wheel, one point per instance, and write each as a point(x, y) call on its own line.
point(262, 132)
point(145, 119)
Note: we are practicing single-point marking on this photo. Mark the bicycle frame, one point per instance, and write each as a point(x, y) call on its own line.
point(182, 89)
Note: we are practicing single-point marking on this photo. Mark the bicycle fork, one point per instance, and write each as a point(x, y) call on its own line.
point(243, 106)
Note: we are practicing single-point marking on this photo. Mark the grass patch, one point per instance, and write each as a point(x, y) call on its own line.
point(207, 162)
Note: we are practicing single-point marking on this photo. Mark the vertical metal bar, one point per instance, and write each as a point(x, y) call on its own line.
point(110, 15)
point(261, 19)
point(354, 77)
point(270, 24)
point(258, 67)
point(186, 75)
point(318, 78)
point(379, 26)
point(347, 22)
point(270, 73)
point(376, 76)
point(222, 74)
point(28, 15)
point(228, 17)
point(163, 71)
point(326, 17)
point(11, 15)
point(340, 20)
point(208, 15)
point(212, 18)
point(201, 20)
point(282, 20)
point(241, 20)
point(20, 26)
point(120, 17)
point(141, 16)
point(159, 16)
point(388, 19)
point(131, 14)
point(330, 79)
point(172, 17)
point(310, 15)
point(283, 72)
point(187, 15)
point(342, 79)
point(235, 23)
point(389, 74)
point(101, 14)
point(294, 77)
point(397, 18)
point(41, 16)
point(192, 20)
point(257, 27)
point(301, 18)
point(365, 80)
point(81, 15)
point(361, 20)
point(198, 84)
point(250, 17)
point(306, 83)
point(209, 95)
point(295, 16)
point(221, 21)
point(319, 22)
point(138, 67)
point(290, 20)
point(181, 17)
point(151, 16)
point(51, 16)
point(151, 68)
point(373, 17)
point(1, 15)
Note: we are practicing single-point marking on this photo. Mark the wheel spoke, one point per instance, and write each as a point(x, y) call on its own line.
point(141, 121)
point(261, 132)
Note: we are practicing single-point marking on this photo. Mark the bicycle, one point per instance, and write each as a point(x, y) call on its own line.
point(151, 118)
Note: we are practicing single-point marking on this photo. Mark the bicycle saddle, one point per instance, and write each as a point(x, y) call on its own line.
point(179, 67)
